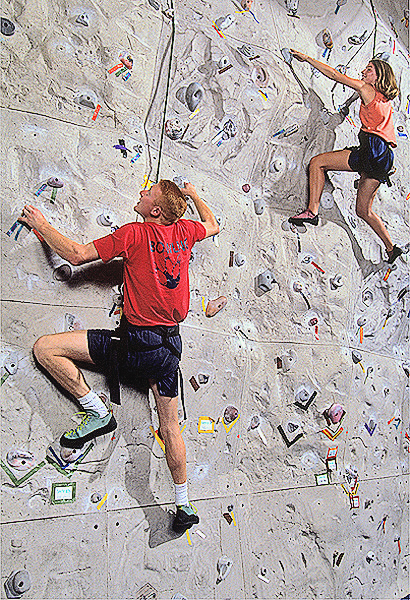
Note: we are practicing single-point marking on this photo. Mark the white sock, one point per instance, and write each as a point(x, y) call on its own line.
point(181, 494)
point(92, 401)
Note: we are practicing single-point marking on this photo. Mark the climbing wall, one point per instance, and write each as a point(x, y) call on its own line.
point(297, 388)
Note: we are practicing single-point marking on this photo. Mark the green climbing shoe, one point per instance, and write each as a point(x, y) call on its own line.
point(90, 427)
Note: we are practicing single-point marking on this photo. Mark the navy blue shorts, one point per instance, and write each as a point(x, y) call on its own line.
point(158, 364)
point(373, 157)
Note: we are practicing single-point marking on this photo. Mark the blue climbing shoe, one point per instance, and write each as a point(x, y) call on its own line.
point(184, 519)
point(90, 427)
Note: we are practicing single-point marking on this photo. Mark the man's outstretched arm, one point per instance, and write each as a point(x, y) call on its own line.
point(205, 213)
point(73, 252)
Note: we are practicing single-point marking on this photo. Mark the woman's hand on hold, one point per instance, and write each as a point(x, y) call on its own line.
point(299, 56)
point(33, 217)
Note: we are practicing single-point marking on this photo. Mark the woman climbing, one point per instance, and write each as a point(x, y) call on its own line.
point(373, 158)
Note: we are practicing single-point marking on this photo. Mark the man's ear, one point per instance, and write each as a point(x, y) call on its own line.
point(156, 211)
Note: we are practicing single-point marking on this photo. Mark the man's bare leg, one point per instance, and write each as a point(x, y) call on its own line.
point(175, 455)
point(169, 427)
point(56, 353)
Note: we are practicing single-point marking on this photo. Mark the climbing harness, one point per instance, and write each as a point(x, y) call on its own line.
point(119, 352)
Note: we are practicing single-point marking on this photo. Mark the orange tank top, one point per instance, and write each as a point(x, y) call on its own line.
point(377, 118)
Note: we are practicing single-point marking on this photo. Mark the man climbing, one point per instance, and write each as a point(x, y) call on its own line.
point(150, 344)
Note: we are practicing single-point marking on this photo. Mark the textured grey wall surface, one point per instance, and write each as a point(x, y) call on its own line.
point(336, 316)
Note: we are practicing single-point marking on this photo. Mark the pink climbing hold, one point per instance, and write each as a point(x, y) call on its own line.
point(335, 413)
point(214, 306)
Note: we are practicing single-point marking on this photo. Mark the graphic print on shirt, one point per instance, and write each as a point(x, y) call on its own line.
point(168, 267)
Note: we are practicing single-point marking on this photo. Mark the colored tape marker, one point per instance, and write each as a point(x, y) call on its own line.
point(97, 110)
point(102, 501)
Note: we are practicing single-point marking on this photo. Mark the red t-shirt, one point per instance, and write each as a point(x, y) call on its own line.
point(156, 260)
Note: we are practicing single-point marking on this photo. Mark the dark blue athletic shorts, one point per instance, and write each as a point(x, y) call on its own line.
point(373, 157)
point(141, 362)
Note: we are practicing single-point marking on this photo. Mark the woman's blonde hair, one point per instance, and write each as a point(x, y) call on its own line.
point(386, 81)
point(173, 201)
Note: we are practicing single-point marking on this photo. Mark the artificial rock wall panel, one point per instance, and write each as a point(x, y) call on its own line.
point(331, 325)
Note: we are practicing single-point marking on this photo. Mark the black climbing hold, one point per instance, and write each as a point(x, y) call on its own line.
point(62, 273)
point(193, 95)
point(83, 19)
point(7, 27)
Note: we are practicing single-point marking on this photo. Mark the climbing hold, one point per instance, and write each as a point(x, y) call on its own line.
point(7, 27)
point(83, 19)
point(106, 219)
point(302, 395)
point(88, 99)
point(178, 596)
point(17, 583)
point(174, 129)
point(70, 455)
point(278, 165)
point(246, 4)
point(223, 62)
point(370, 556)
point(292, 6)
point(126, 59)
point(214, 306)
point(229, 128)
point(260, 76)
point(334, 413)
point(287, 56)
point(367, 297)
point(255, 422)
point(11, 365)
point(326, 201)
point(356, 356)
point(230, 414)
point(356, 40)
point(239, 259)
point(259, 206)
point(288, 360)
point(327, 39)
point(336, 282)
point(63, 272)
point(247, 51)
point(96, 497)
point(224, 22)
point(21, 460)
point(55, 182)
point(193, 95)
point(203, 378)
point(361, 321)
point(265, 281)
point(223, 566)
point(291, 427)
point(246, 188)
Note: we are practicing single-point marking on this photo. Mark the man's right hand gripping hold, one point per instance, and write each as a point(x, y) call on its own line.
point(156, 257)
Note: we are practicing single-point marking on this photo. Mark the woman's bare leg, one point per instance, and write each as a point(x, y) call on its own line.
point(329, 161)
point(365, 196)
